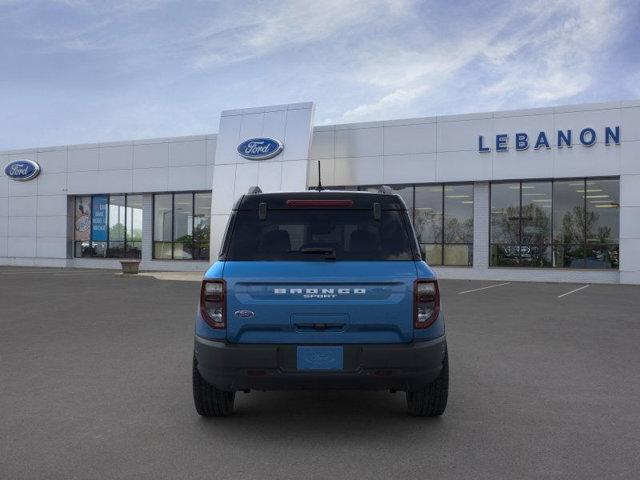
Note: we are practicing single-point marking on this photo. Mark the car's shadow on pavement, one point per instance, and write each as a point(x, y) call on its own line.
point(330, 415)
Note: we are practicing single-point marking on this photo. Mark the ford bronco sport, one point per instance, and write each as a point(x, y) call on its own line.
point(315, 290)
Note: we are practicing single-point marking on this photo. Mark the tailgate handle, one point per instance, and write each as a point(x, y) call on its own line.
point(320, 327)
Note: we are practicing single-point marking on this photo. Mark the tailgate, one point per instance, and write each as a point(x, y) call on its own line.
point(319, 302)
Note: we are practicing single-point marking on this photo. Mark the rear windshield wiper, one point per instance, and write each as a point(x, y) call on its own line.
point(329, 253)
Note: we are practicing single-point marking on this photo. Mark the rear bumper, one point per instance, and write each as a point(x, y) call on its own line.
point(232, 367)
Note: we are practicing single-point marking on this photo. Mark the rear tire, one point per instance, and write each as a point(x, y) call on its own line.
point(209, 401)
point(431, 401)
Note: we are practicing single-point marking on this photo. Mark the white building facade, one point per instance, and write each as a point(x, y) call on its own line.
point(549, 194)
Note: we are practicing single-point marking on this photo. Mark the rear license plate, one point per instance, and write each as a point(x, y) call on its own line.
point(319, 358)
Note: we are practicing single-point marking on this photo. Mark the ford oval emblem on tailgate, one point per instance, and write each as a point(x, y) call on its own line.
point(244, 313)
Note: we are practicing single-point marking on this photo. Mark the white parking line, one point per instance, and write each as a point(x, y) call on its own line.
point(484, 288)
point(573, 291)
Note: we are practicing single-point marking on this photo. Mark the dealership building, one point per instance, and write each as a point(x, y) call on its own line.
point(547, 194)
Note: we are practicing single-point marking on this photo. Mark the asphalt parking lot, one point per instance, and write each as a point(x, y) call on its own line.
point(95, 382)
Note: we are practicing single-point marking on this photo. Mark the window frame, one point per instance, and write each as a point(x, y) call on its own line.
point(173, 213)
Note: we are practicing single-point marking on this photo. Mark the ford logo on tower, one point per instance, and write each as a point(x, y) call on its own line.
point(260, 148)
point(22, 170)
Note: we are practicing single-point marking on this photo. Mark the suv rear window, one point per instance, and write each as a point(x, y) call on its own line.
point(319, 234)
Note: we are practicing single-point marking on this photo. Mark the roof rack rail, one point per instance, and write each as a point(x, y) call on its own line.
point(253, 190)
point(385, 189)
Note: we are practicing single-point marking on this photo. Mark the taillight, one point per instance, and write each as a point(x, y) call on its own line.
point(426, 303)
point(212, 302)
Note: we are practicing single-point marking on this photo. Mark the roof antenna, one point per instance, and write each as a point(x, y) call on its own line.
point(319, 187)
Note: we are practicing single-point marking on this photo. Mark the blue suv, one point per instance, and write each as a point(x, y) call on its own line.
point(320, 290)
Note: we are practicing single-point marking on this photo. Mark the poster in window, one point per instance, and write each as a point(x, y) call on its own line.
point(83, 219)
point(99, 214)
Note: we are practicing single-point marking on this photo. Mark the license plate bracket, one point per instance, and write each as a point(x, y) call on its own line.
point(320, 358)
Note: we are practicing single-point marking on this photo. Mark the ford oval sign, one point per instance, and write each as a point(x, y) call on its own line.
point(22, 170)
point(260, 148)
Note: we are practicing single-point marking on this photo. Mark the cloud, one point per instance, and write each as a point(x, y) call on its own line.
point(287, 25)
point(542, 53)
point(555, 63)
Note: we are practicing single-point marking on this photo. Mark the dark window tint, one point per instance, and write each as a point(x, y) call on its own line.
point(318, 234)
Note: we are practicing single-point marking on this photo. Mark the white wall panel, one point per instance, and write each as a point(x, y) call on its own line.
point(21, 246)
point(358, 142)
point(83, 159)
point(22, 227)
point(188, 153)
point(251, 127)
point(22, 206)
point(22, 189)
point(463, 135)
point(151, 155)
point(274, 125)
point(228, 140)
point(115, 181)
point(420, 138)
point(327, 168)
point(51, 247)
point(150, 180)
point(118, 157)
point(322, 145)
point(223, 188)
point(294, 176)
point(463, 166)
point(4, 183)
point(211, 150)
point(630, 157)
point(52, 183)
point(52, 226)
point(297, 136)
point(53, 161)
point(406, 168)
point(630, 192)
point(84, 182)
point(522, 164)
point(630, 124)
point(246, 177)
point(270, 176)
point(192, 177)
point(358, 171)
point(4, 206)
point(579, 161)
point(51, 205)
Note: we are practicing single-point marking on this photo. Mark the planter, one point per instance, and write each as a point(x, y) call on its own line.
point(130, 266)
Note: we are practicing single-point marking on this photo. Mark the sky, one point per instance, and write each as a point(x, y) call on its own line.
point(80, 71)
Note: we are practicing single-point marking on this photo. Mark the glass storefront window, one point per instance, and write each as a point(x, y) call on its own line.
point(565, 223)
point(458, 225)
point(117, 219)
point(201, 225)
point(442, 216)
point(427, 221)
point(108, 226)
point(603, 223)
point(82, 226)
point(134, 226)
point(181, 225)
point(162, 225)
